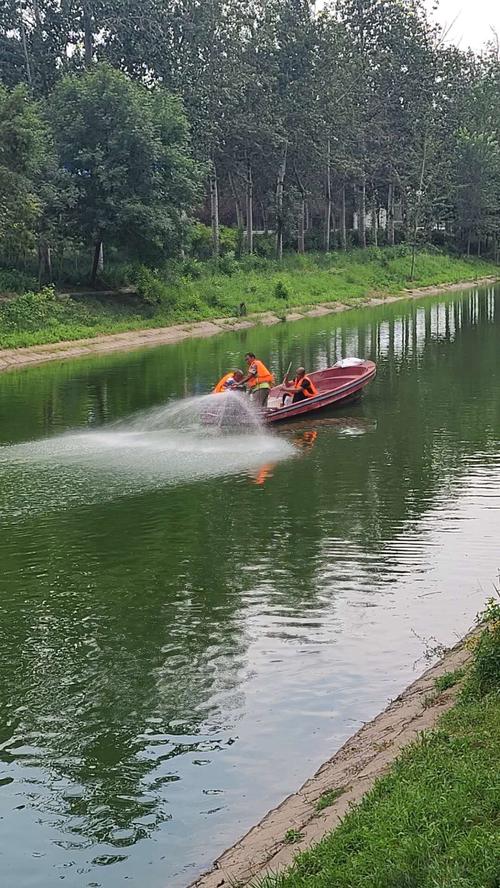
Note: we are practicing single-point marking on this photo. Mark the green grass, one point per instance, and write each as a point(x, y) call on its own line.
point(292, 836)
point(434, 821)
point(329, 798)
point(201, 292)
point(448, 680)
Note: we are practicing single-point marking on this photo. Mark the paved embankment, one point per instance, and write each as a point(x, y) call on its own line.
point(353, 770)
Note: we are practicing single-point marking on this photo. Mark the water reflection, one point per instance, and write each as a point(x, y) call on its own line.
point(178, 656)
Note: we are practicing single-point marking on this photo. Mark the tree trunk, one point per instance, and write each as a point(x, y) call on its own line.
point(328, 206)
point(88, 36)
point(184, 225)
point(374, 219)
point(237, 204)
point(96, 260)
point(390, 214)
point(37, 39)
point(44, 263)
point(214, 211)
point(25, 49)
point(301, 245)
point(249, 201)
point(279, 204)
point(417, 208)
point(265, 220)
point(362, 214)
point(343, 226)
point(405, 215)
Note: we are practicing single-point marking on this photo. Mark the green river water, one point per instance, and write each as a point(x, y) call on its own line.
point(191, 622)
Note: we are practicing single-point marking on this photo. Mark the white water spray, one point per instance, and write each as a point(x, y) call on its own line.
point(228, 411)
point(187, 441)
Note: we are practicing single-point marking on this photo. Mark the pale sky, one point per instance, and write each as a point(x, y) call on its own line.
point(473, 20)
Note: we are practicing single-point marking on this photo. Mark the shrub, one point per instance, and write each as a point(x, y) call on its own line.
point(255, 263)
point(372, 254)
point(192, 268)
point(240, 243)
point(152, 290)
point(12, 281)
point(30, 311)
point(264, 245)
point(315, 239)
point(445, 240)
point(189, 301)
point(228, 265)
point(228, 240)
point(116, 275)
point(201, 240)
point(281, 291)
point(484, 676)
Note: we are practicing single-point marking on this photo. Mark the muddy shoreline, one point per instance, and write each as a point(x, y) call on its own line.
point(15, 358)
point(352, 771)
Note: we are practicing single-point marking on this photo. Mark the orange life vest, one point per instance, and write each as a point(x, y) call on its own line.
point(221, 385)
point(262, 376)
point(299, 387)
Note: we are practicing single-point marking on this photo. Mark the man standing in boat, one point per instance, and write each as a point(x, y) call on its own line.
point(258, 380)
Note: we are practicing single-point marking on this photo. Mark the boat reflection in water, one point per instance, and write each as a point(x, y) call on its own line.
point(305, 439)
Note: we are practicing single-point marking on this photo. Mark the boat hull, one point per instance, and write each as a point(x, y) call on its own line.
point(337, 386)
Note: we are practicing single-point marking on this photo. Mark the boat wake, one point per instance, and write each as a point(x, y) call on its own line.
point(194, 440)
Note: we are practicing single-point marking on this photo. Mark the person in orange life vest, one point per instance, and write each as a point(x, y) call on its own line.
point(230, 381)
point(300, 389)
point(258, 380)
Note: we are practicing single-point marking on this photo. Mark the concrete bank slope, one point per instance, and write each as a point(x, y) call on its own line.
point(352, 772)
point(14, 358)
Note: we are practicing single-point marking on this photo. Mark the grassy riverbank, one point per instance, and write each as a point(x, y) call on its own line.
point(197, 291)
point(433, 822)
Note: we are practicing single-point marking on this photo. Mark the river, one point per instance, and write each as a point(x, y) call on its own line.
point(191, 623)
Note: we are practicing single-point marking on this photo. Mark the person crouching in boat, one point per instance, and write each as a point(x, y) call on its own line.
point(299, 389)
point(230, 382)
point(258, 380)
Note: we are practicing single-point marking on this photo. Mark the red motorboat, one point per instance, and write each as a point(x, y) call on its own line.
point(336, 386)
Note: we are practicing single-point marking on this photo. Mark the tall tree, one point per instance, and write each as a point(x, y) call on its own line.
point(126, 149)
point(24, 145)
point(477, 188)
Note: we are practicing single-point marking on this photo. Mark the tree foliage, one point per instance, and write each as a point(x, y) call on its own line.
point(24, 147)
point(125, 149)
point(354, 123)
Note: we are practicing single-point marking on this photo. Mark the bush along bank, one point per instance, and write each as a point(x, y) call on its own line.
point(433, 821)
point(192, 291)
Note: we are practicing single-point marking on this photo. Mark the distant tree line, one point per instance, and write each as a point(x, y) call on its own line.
point(121, 121)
